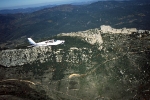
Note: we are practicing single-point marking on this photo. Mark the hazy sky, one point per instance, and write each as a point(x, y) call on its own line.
point(19, 3)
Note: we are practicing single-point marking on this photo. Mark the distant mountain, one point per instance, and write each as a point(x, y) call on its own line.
point(36, 7)
point(24, 10)
point(72, 18)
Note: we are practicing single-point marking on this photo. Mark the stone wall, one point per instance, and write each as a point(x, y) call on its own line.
point(109, 29)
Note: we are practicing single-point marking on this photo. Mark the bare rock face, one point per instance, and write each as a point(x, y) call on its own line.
point(23, 56)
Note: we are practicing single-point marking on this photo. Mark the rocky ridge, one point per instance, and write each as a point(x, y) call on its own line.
point(17, 57)
point(93, 36)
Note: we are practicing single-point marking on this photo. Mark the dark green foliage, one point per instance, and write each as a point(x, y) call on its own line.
point(20, 89)
point(69, 42)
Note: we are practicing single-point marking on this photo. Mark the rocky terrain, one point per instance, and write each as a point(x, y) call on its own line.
point(16, 57)
point(111, 65)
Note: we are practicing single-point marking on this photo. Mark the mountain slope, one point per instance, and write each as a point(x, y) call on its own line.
point(68, 18)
